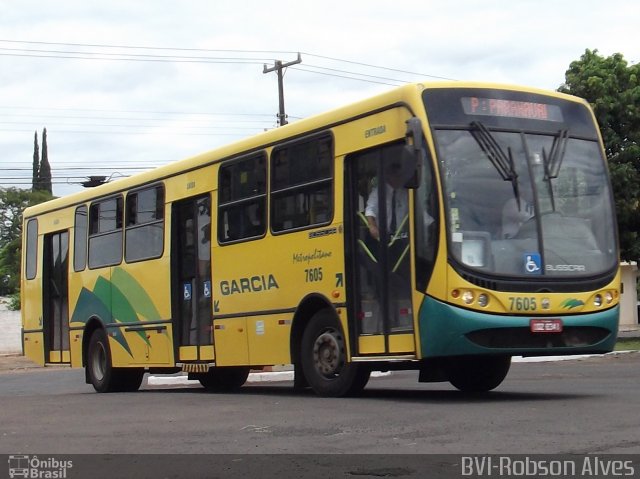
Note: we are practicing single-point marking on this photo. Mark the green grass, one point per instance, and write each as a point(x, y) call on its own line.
point(630, 344)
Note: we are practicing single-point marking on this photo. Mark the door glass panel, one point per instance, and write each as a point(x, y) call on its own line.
point(382, 243)
point(186, 263)
point(64, 293)
point(56, 306)
point(203, 236)
point(193, 271)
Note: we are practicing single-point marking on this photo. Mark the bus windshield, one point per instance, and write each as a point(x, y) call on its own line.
point(524, 204)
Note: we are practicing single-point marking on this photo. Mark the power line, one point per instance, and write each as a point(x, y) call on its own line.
point(76, 180)
point(135, 56)
point(91, 168)
point(66, 54)
point(172, 132)
point(103, 45)
point(57, 125)
point(360, 74)
point(380, 67)
point(150, 58)
point(151, 112)
point(275, 52)
point(178, 122)
point(344, 76)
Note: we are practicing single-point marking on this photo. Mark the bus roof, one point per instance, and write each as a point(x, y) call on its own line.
point(268, 138)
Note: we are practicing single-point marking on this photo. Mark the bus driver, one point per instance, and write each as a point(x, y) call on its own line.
point(396, 199)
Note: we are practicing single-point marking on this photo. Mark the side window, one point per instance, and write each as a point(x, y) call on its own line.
point(301, 184)
point(80, 239)
point(31, 256)
point(144, 235)
point(105, 233)
point(242, 199)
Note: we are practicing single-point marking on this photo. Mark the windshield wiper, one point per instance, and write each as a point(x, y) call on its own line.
point(502, 162)
point(553, 162)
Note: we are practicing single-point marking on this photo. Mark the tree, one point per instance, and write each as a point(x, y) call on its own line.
point(41, 179)
point(45, 168)
point(612, 87)
point(13, 201)
point(35, 179)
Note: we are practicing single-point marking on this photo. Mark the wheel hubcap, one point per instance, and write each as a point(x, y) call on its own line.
point(99, 361)
point(327, 354)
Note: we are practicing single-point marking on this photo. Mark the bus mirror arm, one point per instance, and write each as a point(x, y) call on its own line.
point(412, 153)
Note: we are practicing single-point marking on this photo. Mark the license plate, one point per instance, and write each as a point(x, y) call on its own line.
point(545, 325)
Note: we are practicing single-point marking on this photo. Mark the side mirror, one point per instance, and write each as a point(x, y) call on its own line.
point(412, 154)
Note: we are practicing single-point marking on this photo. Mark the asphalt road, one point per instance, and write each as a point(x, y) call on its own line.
point(574, 407)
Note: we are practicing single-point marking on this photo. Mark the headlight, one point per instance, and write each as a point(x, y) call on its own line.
point(597, 300)
point(483, 300)
point(467, 297)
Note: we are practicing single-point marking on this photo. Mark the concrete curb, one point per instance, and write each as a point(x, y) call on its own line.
point(575, 357)
point(275, 376)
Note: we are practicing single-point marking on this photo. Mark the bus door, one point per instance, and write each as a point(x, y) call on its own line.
point(191, 278)
point(380, 268)
point(55, 307)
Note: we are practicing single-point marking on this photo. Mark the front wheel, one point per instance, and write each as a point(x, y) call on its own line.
point(324, 359)
point(477, 373)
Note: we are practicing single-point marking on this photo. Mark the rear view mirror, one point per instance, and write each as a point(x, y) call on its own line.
point(412, 154)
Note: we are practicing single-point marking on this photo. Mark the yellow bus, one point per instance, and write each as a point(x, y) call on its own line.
point(497, 237)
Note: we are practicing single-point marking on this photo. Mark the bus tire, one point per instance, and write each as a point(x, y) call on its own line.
point(477, 373)
point(324, 359)
point(99, 369)
point(224, 379)
point(102, 375)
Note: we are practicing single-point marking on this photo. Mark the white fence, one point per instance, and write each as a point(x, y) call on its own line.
point(10, 340)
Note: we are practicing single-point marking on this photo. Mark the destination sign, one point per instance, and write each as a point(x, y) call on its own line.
point(511, 108)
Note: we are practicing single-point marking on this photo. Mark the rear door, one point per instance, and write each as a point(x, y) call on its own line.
point(191, 273)
point(55, 307)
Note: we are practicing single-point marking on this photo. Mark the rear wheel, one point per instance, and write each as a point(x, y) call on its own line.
point(102, 375)
point(324, 359)
point(477, 373)
point(224, 379)
point(98, 365)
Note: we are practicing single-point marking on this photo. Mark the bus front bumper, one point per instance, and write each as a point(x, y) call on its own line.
point(446, 330)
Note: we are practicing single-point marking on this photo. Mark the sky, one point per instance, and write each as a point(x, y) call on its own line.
point(123, 86)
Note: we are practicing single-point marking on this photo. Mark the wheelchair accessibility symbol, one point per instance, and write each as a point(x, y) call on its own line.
point(186, 291)
point(532, 263)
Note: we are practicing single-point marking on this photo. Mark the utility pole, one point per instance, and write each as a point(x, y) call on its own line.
point(278, 67)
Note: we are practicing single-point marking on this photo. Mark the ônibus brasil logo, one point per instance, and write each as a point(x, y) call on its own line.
point(35, 467)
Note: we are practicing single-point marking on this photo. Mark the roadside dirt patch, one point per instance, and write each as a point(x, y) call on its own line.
point(16, 363)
